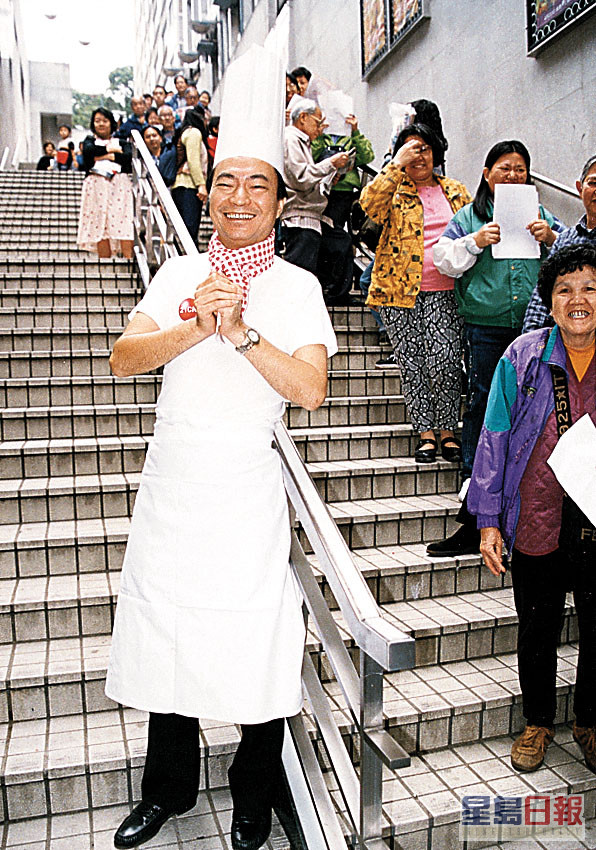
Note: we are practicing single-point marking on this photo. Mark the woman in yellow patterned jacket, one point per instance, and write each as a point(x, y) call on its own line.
point(416, 302)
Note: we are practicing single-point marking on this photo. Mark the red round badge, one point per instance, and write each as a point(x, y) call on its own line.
point(187, 310)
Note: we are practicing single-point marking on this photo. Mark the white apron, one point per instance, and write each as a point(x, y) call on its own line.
point(209, 620)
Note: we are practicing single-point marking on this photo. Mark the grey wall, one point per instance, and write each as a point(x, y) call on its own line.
point(470, 58)
point(50, 98)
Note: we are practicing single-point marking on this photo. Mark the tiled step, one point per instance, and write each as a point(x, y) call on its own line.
point(422, 805)
point(426, 709)
point(58, 339)
point(447, 629)
point(357, 442)
point(47, 280)
point(58, 392)
point(29, 299)
point(42, 391)
point(31, 423)
point(345, 484)
point(32, 458)
point(353, 317)
point(52, 575)
point(23, 364)
point(64, 268)
point(393, 521)
point(63, 317)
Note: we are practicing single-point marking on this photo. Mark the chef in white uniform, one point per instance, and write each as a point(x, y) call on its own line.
point(209, 620)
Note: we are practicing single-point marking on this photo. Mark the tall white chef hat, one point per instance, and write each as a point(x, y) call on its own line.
point(253, 108)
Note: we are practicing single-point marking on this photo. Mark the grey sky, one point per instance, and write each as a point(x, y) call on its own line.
point(109, 28)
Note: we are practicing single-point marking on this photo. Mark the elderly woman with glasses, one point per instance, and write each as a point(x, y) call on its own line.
point(416, 302)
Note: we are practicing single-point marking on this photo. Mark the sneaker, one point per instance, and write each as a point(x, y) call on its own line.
point(387, 363)
point(585, 736)
point(465, 541)
point(527, 752)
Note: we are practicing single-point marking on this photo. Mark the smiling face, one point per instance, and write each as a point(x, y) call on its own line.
point(243, 201)
point(574, 306)
point(152, 140)
point(509, 168)
point(102, 126)
point(587, 191)
point(420, 169)
point(180, 84)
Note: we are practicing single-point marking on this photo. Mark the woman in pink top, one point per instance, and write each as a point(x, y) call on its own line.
point(415, 300)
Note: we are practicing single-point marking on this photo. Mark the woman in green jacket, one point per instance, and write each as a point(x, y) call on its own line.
point(492, 296)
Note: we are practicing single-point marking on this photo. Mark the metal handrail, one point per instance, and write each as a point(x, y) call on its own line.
point(554, 184)
point(160, 233)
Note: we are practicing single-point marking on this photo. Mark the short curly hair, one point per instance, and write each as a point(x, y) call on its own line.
point(566, 260)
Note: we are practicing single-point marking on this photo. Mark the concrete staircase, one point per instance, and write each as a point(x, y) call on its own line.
point(73, 440)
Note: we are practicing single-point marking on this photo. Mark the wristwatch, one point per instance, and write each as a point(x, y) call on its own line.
point(251, 339)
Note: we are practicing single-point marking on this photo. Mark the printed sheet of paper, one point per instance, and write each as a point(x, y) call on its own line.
point(573, 461)
point(335, 106)
point(515, 207)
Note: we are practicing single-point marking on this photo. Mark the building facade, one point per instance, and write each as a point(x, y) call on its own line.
point(473, 59)
point(15, 126)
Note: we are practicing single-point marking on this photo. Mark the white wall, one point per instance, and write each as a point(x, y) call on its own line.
point(50, 96)
point(470, 58)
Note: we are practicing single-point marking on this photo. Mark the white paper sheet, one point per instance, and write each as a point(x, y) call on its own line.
point(515, 207)
point(573, 461)
point(336, 105)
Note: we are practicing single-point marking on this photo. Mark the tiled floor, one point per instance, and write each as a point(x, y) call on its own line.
point(206, 827)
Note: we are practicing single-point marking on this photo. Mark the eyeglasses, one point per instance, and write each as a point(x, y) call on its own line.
point(423, 149)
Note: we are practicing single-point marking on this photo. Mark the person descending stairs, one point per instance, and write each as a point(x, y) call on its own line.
point(72, 444)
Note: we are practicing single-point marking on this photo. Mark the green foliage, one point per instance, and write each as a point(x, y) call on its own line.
point(116, 97)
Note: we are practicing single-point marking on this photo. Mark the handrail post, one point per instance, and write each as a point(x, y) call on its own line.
point(371, 767)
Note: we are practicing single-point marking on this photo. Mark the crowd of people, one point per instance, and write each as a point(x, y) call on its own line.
point(518, 330)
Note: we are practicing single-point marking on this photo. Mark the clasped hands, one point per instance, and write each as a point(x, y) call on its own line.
point(218, 295)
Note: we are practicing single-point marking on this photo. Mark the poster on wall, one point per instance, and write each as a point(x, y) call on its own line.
point(405, 14)
point(373, 28)
point(546, 19)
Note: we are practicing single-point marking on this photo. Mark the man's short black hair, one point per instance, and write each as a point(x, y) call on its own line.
point(558, 263)
point(301, 71)
point(282, 192)
point(60, 126)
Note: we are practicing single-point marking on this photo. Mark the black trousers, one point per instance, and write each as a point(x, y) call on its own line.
point(539, 587)
point(189, 207)
point(172, 767)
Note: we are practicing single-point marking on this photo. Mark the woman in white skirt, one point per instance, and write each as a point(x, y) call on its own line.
point(106, 216)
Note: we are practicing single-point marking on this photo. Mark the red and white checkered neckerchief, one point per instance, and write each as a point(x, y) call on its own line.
point(242, 264)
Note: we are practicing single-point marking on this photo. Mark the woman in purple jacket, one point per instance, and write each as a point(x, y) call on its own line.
point(517, 499)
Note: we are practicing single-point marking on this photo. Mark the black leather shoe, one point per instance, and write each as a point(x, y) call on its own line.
point(144, 822)
point(250, 833)
point(428, 454)
point(465, 541)
point(451, 453)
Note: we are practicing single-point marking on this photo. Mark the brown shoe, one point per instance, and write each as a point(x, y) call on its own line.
point(585, 736)
point(527, 752)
